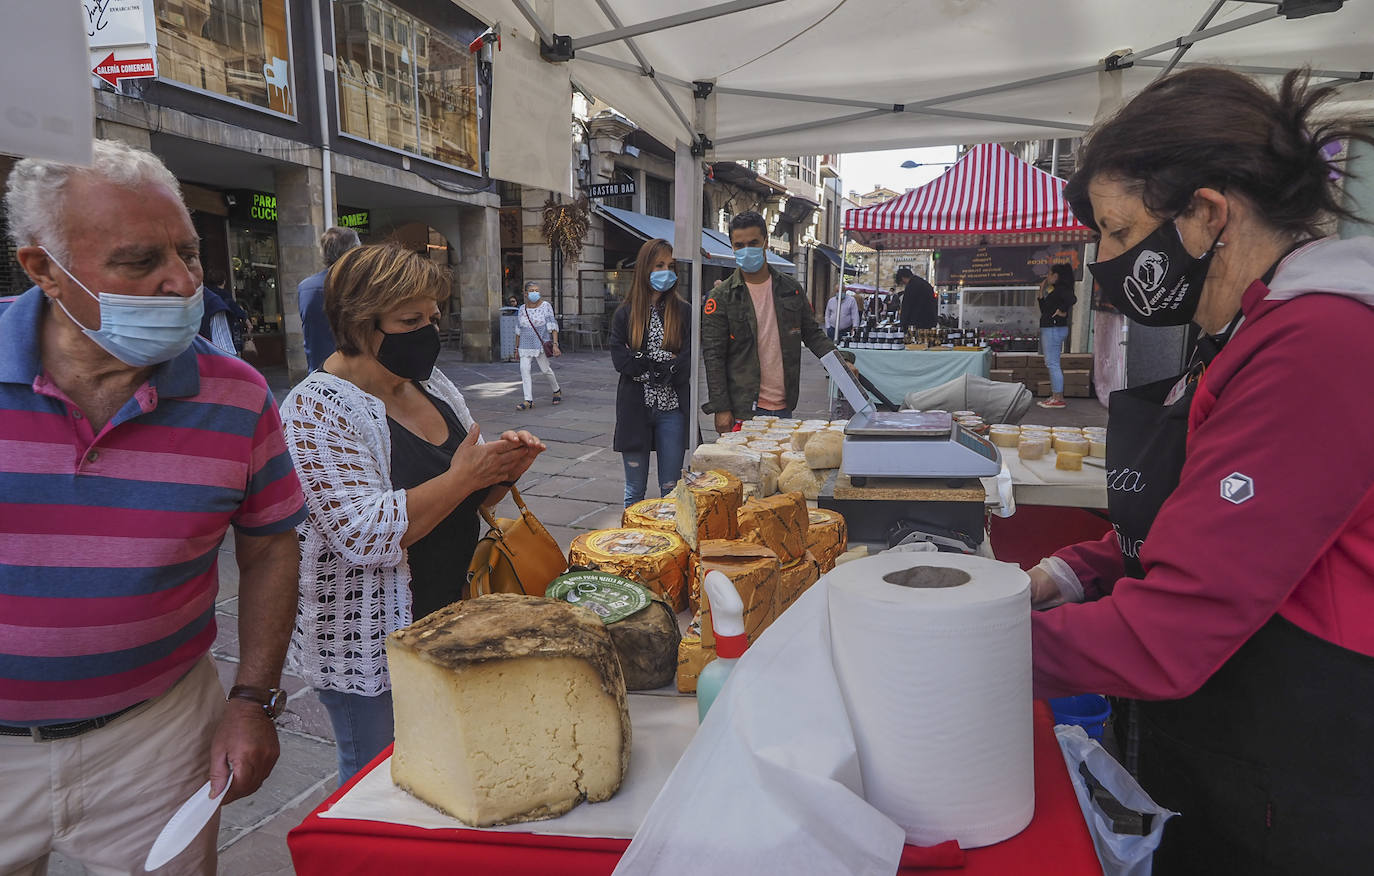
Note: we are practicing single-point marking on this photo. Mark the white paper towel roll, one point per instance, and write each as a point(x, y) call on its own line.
point(935, 670)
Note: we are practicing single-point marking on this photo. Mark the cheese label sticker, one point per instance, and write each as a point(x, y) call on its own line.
point(631, 542)
point(612, 598)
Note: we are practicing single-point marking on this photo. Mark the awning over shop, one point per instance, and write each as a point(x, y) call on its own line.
point(834, 255)
point(715, 246)
point(988, 197)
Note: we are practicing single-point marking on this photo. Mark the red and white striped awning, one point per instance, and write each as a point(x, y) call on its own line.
point(988, 197)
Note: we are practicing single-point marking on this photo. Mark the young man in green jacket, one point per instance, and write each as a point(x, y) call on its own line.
point(752, 327)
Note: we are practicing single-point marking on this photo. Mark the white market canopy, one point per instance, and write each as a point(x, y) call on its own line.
point(788, 77)
point(988, 197)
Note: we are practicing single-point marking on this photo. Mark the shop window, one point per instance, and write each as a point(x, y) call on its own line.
point(658, 197)
point(404, 84)
point(236, 48)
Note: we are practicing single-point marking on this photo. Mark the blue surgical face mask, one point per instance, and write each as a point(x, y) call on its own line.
point(749, 258)
point(141, 330)
point(534, 297)
point(663, 280)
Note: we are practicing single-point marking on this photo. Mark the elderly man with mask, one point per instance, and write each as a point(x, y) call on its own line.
point(130, 446)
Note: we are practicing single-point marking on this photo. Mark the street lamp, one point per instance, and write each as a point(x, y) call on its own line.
point(909, 164)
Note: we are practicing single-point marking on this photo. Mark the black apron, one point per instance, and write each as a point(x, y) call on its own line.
point(1269, 762)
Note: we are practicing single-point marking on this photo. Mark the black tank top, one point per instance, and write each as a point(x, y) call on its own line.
point(439, 561)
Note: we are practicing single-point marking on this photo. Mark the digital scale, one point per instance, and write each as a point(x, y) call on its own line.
point(906, 444)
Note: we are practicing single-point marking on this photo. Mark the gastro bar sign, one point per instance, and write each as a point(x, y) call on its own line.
point(611, 190)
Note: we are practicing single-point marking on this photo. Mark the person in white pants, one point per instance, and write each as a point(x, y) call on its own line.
point(537, 325)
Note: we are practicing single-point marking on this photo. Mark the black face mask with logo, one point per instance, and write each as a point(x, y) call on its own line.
point(410, 354)
point(1156, 282)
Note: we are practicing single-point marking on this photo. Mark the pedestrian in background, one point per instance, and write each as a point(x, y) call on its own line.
point(651, 348)
point(841, 315)
point(919, 309)
point(538, 342)
point(1056, 300)
point(319, 342)
point(225, 322)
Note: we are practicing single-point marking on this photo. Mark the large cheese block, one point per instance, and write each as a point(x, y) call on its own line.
point(778, 523)
point(660, 514)
point(692, 657)
point(658, 560)
point(798, 477)
point(752, 568)
point(793, 580)
point(642, 626)
point(827, 536)
point(825, 449)
point(707, 505)
point(508, 708)
point(733, 459)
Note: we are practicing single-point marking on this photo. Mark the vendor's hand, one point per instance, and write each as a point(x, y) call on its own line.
point(725, 421)
point(481, 465)
point(1042, 587)
point(245, 739)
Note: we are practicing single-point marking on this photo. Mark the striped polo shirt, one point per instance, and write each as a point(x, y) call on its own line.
point(109, 541)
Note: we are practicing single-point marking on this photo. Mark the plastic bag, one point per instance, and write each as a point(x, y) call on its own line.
point(1121, 854)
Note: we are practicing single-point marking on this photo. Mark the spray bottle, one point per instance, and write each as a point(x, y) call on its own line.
point(727, 621)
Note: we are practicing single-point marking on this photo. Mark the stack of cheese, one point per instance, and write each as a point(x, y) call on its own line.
point(770, 564)
point(770, 454)
point(1070, 444)
point(485, 691)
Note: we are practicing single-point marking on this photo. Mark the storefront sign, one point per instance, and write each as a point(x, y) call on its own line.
point(358, 220)
point(1003, 265)
point(263, 207)
point(610, 190)
point(113, 23)
point(113, 71)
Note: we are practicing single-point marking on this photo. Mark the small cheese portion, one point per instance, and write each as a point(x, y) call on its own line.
point(827, 536)
point(791, 456)
point(768, 449)
point(736, 460)
point(692, 657)
point(1033, 448)
point(779, 523)
point(706, 506)
point(798, 477)
point(1072, 444)
point(657, 560)
point(1006, 438)
point(1068, 461)
point(752, 568)
point(769, 471)
point(1097, 449)
point(825, 449)
point(659, 514)
point(803, 435)
point(508, 708)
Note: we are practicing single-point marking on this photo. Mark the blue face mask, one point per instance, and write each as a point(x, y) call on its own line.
point(663, 280)
point(749, 258)
point(141, 330)
point(534, 297)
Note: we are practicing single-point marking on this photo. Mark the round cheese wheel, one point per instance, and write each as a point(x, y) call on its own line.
point(658, 560)
point(1097, 448)
point(958, 414)
point(1031, 448)
point(791, 456)
point(711, 505)
point(733, 438)
point(1068, 444)
point(753, 426)
point(1005, 439)
point(660, 514)
point(643, 628)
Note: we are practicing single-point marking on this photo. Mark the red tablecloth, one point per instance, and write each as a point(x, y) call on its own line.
point(1056, 842)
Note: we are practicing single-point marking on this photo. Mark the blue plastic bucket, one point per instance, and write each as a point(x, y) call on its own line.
point(1089, 711)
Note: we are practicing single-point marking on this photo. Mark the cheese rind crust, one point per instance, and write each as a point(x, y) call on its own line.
point(508, 708)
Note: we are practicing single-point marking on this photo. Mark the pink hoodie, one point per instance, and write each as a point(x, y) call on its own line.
point(1286, 404)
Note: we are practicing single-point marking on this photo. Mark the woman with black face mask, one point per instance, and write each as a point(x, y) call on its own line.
point(1232, 607)
point(394, 470)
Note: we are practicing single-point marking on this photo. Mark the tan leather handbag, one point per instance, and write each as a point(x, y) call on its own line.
point(515, 556)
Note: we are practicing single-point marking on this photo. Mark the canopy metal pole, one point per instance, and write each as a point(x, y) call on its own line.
point(1205, 20)
point(961, 307)
point(668, 21)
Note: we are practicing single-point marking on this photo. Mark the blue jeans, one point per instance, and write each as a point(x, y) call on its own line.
point(1052, 338)
point(363, 726)
point(669, 429)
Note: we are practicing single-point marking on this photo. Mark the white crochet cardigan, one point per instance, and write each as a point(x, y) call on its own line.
point(355, 581)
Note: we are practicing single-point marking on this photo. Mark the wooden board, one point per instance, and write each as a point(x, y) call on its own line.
point(906, 489)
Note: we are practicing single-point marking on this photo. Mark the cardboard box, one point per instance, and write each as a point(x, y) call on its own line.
point(1011, 360)
point(1081, 378)
point(1042, 389)
point(1004, 375)
point(1076, 361)
point(1077, 392)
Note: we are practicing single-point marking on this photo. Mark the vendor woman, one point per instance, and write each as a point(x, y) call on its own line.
point(1234, 602)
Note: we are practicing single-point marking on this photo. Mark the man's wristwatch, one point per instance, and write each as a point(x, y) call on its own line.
point(272, 700)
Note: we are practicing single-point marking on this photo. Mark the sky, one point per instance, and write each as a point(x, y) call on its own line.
point(864, 171)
